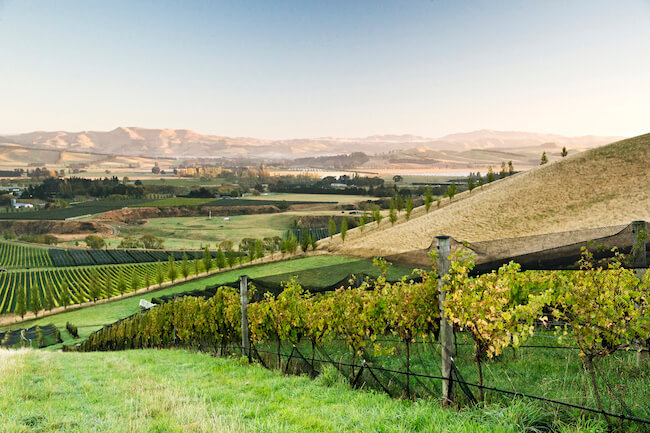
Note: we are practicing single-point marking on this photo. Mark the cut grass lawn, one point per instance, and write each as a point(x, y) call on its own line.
point(92, 318)
point(181, 391)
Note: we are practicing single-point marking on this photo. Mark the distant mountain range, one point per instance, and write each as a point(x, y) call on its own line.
point(183, 143)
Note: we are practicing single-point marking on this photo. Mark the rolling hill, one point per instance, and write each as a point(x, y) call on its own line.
point(606, 186)
point(136, 141)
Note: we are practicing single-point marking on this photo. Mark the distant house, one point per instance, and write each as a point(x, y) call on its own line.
point(338, 185)
point(17, 205)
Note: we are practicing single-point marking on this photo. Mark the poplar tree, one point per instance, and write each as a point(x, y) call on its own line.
point(409, 207)
point(35, 304)
point(160, 276)
point(331, 228)
point(185, 266)
point(344, 228)
point(49, 296)
point(207, 259)
point(64, 298)
point(21, 303)
point(172, 272)
point(428, 199)
point(220, 259)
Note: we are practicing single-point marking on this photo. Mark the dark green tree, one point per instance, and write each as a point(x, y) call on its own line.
point(409, 207)
point(185, 266)
point(121, 283)
point(220, 259)
point(564, 152)
point(35, 304)
point(470, 183)
point(94, 287)
point(160, 274)
point(304, 242)
point(135, 281)
point(490, 175)
point(231, 257)
point(452, 190)
point(64, 297)
point(544, 159)
point(207, 259)
point(21, 302)
point(172, 272)
point(49, 297)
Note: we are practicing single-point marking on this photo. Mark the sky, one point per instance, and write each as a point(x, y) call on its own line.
point(282, 69)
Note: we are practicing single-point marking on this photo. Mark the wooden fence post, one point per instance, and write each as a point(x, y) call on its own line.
point(640, 264)
point(446, 332)
point(245, 340)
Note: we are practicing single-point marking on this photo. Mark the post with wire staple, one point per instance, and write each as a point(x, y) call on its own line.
point(243, 292)
point(446, 332)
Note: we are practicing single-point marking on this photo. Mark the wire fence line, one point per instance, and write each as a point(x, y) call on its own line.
point(456, 378)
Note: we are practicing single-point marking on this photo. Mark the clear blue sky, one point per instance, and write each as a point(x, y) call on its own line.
point(274, 69)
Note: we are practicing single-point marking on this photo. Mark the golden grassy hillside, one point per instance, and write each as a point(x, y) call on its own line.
point(605, 186)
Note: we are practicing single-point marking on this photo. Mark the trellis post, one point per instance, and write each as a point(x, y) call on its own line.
point(640, 264)
point(446, 332)
point(245, 340)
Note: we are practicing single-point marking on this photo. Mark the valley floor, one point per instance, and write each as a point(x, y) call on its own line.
point(182, 391)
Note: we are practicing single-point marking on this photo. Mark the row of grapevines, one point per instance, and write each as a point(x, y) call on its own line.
point(84, 283)
point(16, 255)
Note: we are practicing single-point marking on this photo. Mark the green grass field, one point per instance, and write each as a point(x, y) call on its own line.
point(179, 391)
point(333, 198)
point(89, 319)
point(174, 201)
point(196, 232)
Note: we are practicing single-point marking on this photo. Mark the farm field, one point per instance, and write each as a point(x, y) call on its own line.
point(195, 232)
point(91, 318)
point(332, 198)
point(18, 255)
point(79, 280)
point(120, 391)
point(73, 211)
point(601, 187)
point(246, 201)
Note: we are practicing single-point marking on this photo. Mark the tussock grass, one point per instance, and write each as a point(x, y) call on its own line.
point(600, 187)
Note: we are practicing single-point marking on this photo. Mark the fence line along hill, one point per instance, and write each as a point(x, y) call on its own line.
point(606, 186)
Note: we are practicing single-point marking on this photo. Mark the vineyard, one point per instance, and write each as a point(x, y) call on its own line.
point(83, 283)
point(76, 210)
point(577, 333)
point(15, 255)
point(36, 336)
point(18, 255)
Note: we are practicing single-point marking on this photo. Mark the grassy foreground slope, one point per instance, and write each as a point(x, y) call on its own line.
point(600, 187)
point(180, 391)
